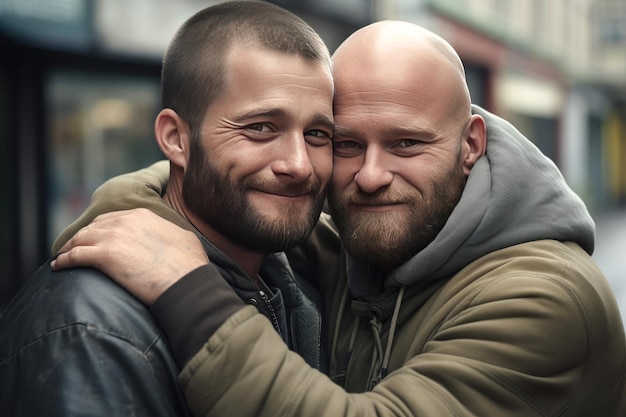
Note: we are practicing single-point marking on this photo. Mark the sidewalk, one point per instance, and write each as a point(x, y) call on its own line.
point(610, 252)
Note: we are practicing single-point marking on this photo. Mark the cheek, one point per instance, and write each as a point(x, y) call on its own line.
point(248, 157)
point(322, 162)
point(344, 171)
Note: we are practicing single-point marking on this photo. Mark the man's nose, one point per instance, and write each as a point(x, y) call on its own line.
point(373, 173)
point(293, 159)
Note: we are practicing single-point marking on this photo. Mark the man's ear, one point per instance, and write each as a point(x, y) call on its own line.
point(474, 143)
point(173, 137)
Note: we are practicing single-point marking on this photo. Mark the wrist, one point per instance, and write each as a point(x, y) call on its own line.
point(193, 308)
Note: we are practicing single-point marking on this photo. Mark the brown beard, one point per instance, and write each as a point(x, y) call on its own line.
point(221, 201)
point(388, 240)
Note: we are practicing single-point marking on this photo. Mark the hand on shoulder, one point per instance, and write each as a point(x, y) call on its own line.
point(139, 250)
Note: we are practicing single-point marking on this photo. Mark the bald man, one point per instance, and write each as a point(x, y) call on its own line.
point(462, 284)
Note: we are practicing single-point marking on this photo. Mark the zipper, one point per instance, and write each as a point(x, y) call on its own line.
point(273, 317)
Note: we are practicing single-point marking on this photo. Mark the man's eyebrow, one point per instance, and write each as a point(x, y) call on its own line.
point(340, 131)
point(321, 119)
point(273, 112)
point(394, 132)
point(410, 132)
point(318, 119)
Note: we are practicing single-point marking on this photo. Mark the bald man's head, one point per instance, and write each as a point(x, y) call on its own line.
point(404, 56)
point(405, 141)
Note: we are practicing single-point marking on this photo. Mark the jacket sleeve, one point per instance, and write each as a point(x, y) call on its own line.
point(140, 189)
point(275, 380)
point(79, 371)
point(213, 300)
point(75, 344)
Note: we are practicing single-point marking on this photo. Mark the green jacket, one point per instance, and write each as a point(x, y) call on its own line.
point(529, 330)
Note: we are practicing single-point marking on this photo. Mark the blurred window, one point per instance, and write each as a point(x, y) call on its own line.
point(478, 83)
point(613, 29)
point(99, 126)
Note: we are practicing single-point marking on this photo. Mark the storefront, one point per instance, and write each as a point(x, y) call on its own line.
point(71, 115)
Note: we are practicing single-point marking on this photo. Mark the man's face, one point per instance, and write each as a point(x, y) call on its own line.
point(258, 174)
point(398, 169)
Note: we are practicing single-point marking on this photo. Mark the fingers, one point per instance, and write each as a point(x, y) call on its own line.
point(139, 250)
point(79, 256)
point(85, 248)
point(105, 223)
point(87, 236)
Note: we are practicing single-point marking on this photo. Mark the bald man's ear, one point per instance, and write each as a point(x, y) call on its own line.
point(173, 137)
point(475, 142)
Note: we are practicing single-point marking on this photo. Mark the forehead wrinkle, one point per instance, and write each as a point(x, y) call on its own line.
point(236, 67)
point(393, 51)
point(382, 95)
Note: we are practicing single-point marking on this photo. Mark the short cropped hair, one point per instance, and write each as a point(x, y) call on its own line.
point(193, 73)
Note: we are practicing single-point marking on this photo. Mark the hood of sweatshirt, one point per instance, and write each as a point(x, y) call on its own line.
point(514, 194)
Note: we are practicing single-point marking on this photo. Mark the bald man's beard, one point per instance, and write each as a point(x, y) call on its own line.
point(222, 202)
point(389, 239)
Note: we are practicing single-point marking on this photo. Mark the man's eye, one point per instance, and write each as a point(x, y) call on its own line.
point(347, 148)
point(347, 144)
point(407, 147)
point(406, 143)
point(260, 127)
point(317, 137)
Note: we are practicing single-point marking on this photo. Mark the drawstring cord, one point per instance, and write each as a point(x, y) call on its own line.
point(392, 332)
point(377, 353)
point(342, 377)
point(342, 306)
point(347, 357)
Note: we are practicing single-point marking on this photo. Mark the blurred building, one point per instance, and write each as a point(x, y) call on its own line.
point(79, 90)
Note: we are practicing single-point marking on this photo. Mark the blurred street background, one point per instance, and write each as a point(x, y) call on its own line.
point(79, 90)
point(610, 253)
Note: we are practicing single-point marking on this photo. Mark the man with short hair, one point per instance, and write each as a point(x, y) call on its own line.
point(246, 125)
